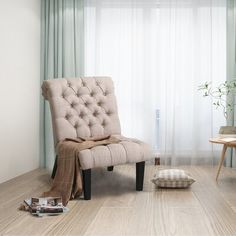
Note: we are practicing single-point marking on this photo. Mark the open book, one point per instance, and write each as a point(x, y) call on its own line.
point(45, 206)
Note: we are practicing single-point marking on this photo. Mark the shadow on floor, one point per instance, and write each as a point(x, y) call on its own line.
point(105, 183)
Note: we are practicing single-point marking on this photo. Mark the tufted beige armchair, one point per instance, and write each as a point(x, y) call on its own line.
point(86, 107)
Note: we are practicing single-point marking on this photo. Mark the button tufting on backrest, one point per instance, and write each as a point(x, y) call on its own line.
point(91, 112)
point(82, 115)
point(95, 113)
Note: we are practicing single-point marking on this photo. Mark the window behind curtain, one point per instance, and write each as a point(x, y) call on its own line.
point(157, 53)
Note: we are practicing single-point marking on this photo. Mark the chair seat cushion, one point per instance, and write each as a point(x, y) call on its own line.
point(127, 151)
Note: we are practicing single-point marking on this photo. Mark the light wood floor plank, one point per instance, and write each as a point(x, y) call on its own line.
point(207, 208)
point(218, 211)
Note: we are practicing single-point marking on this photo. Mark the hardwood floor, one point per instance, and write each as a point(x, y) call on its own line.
point(207, 208)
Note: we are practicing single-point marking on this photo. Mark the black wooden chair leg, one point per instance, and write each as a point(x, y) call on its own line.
point(140, 166)
point(87, 184)
point(54, 170)
point(110, 168)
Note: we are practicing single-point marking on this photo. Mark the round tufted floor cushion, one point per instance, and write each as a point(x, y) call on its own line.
point(173, 178)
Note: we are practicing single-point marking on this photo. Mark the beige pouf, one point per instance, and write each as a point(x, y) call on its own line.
point(173, 178)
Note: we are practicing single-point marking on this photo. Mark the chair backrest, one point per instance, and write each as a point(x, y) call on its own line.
point(82, 107)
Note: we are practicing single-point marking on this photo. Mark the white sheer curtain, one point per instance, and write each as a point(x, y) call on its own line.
point(157, 53)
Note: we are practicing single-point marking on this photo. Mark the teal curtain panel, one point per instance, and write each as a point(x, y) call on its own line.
point(61, 56)
point(231, 67)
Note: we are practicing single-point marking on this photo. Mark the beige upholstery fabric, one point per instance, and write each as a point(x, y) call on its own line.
point(173, 178)
point(127, 151)
point(82, 107)
point(86, 107)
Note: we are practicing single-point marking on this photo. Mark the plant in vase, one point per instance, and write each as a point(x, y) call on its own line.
point(223, 98)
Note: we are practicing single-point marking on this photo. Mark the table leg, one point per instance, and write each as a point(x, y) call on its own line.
point(157, 161)
point(221, 160)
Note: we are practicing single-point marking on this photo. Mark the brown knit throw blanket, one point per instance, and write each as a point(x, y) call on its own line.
point(67, 182)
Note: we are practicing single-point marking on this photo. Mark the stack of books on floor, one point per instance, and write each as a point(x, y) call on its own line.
point(45, 206)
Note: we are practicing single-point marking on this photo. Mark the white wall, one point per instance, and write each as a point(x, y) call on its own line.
point(19, 86)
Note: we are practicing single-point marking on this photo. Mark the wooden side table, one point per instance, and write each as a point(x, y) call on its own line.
point(227, 142)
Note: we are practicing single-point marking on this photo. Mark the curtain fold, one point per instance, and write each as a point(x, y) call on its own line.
point(61, 56)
